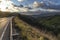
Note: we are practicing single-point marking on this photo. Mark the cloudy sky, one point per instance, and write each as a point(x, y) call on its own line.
point(6, 3)
point(25, 2)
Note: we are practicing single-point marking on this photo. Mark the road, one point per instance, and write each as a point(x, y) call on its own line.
point(7, 32)
point(3, 22)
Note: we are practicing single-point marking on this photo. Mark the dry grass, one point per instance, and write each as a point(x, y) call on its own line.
point(32, 33)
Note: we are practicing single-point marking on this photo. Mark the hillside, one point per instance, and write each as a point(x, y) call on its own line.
point(27, 32)
point(41, 28)
point(49, 24)
point(53, 23)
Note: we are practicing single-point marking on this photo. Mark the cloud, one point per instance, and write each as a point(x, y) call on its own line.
point(5, 4)
point(37, 4)
point(52, 2)
point(20, 0)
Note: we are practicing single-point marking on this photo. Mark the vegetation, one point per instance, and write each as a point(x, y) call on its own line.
point(7, 14)
point(51, 23)
point(27, 31)
point(28, 25)
point(4, 14)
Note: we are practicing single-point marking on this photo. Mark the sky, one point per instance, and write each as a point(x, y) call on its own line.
point(25, 2)
point(8, 3)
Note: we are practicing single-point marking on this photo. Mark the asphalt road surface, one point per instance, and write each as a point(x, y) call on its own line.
point(3, 22)
point(3, 27)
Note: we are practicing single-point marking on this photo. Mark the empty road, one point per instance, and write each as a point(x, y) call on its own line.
point(3, 22)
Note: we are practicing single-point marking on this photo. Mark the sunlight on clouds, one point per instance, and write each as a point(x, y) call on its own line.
point(35, 4)
point(4, 4)
point(7, 5)
point(20, 0)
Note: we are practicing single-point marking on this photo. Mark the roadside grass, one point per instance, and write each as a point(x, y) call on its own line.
point(27, 31)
